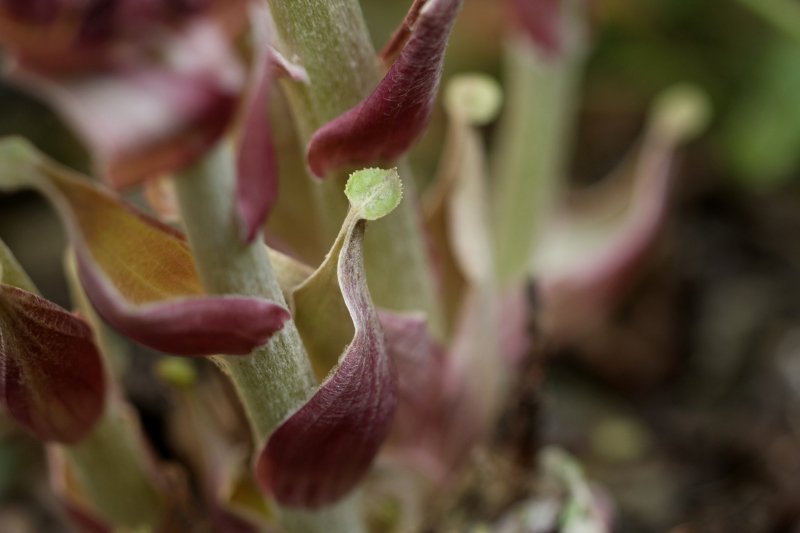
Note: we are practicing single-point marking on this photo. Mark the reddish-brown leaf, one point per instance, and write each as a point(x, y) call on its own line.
point(318, 454)
point(384, 125)
point(51, 374)
point(137, 272)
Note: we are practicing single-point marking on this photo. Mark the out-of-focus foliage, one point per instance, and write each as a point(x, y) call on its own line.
point(762, 132)
point(748, 66)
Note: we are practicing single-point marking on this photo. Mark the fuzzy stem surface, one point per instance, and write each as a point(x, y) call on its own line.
point(276, 378)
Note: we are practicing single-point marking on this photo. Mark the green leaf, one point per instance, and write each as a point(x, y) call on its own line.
point(374, 192)
point(761, 135)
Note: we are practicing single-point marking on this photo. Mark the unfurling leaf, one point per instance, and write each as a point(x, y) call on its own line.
point(138, 273)
point(599, 240)
point(385, 124)
point(51, 374)
point(472, 100)
point(319, 308)
point(319, 453)
point(457, 205)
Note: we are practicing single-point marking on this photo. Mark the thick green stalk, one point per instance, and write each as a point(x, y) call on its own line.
point(330, 40)
point(533, 143)
point(275, 379)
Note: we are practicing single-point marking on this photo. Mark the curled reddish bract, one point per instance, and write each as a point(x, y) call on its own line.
point(385, 124)
point(138, 273)
point(320, 452)
point(193, 326)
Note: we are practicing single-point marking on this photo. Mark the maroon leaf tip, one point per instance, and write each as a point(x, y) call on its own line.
point(189, 326)
point(51, 374)
point(139, 273)
point(385, 124)
point(318, 454)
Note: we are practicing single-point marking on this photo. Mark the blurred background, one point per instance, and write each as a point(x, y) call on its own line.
point(685, 407)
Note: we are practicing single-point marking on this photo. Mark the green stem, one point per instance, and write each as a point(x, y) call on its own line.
point(330, 40)
point(533, 144)
point(275, 378)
